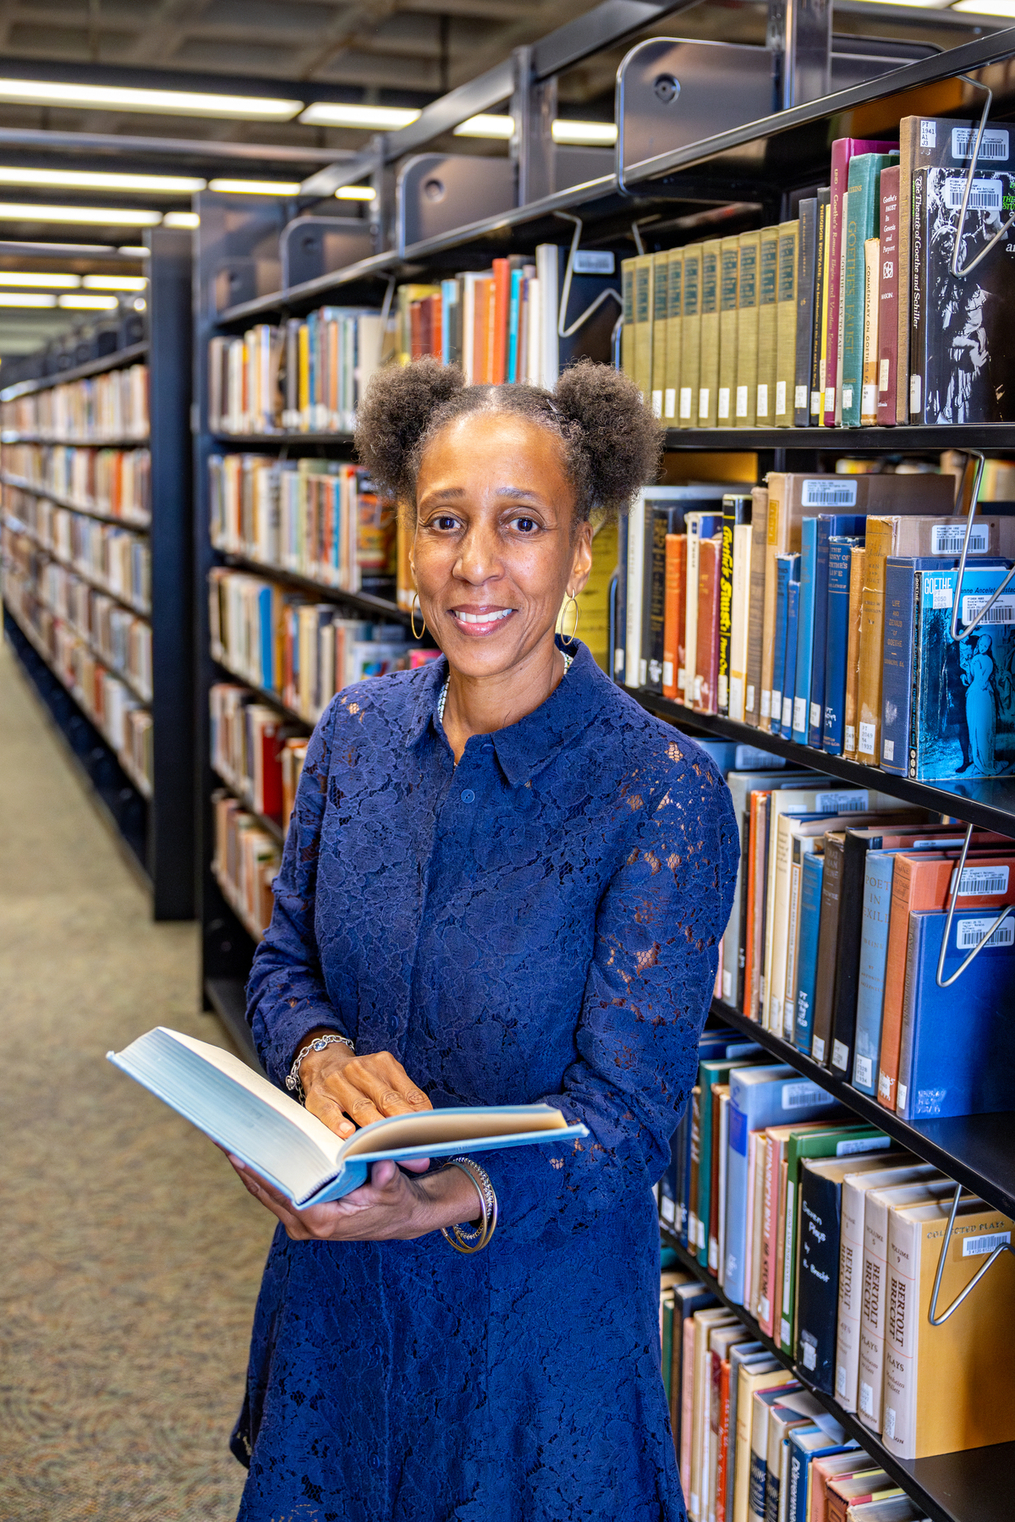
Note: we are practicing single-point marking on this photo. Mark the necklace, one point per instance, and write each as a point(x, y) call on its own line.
point(444, 690)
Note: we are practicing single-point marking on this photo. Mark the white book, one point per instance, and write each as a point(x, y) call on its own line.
point(635, 591)
point(739, 616)
point(547, 255)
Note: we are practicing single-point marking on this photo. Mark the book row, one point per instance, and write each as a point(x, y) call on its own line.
point(851, 313)
point(317, 518)
point(831, 628)
point(104, 697)
point(112, 481)
point(300, 651)
point(245, 861)
point(838, 927)
point(830, 1240)
point(113, 560)
point(109, 406)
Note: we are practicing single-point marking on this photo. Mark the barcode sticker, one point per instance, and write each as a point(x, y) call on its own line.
point(727, 984)
point(863, 1070)
point(741, 401)
point(984, 195)
point(808, 1350)
point(800, 396)
point(713, 1255)
point(866, 1398)
point(993, 143)
point(818, 1048)
point(903, 1091)
point(815, 715)
point(948, 539)
point(780, 398)
point(940, 596)
point(840, 1380)
point(884, 1086)
point(869, 397)
point(723, 693)
point(888, 749)
point(915, 393)
point(863, 1144)
point(866, 745)
point(685, 402)
point(799, 713)
point(749, 698)
point(838, 493)
point(847, 396)
point(1000, 612)
point(796, 1095)
point(890, 1424)
point(884, 370)
point(764, 1308)
point(667, 673)
point(840, 1056)
point(657, 404)
point(928, 133)
point(787, 714)
point(766, 702)
point(848, 737)
point(703, 395)
point(970, 933)
point(815, 404)
point(981, 881)
point(669, 402)
point(978, 1247)
point(783, 1330)
point(854, 802)
point(763, 399)
point(829, 398)
point(724, 401)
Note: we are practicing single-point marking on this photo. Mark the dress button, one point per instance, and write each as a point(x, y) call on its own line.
point(468, 796)
point(375, 1462)
point(488, 745)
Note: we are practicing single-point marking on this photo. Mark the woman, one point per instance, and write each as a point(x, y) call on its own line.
point(504, 882)
point(981, 706)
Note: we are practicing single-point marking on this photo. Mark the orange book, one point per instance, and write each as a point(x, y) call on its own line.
point(722, 1460)
point(436, 326)
point(674, 632)
point(707, 657)
point(752, 960)
point(481, 331)
point(499, 320)
point(922, 882)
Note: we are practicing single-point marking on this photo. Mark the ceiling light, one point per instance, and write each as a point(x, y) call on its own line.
point(92, 179)
point(600, 134)
point(255, 187)
point(136, 251)
point(37, 92)
point(354, 193)
point(105, 216)
point(486, 126)
point(33, 277)
point(327, 113)
point(113, 282)
point(26, 299)
point(181, 219)
point(986, 7)
point(82, 301)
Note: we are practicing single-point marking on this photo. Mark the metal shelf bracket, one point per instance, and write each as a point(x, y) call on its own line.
point(934, 1316)
point(953, 895)
point(978, 456)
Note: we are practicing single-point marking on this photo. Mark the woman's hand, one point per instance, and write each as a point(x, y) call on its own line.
point(391, 1207)
point(346, 1091)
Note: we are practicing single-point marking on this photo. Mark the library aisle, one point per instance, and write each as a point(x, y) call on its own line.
point(131, 1257)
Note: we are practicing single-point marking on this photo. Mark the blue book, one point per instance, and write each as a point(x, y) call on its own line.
point(514, 312)
point(956, 1055)
point(829, 525)
point(759, 1097)
point(620, 611)
point(840, 547)
point(449, 299)
point(266, 629)
point(783, 568)
point(800, 712)
point(903, 584)
point(877, 904)
point(792, 625)
point(814, 1441)
point(810, 920)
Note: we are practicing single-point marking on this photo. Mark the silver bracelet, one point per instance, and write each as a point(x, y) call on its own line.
point(292, 1081)
point(464, 1239)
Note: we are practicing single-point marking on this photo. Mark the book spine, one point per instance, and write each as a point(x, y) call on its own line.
point(692, 583)
point(848, 955)
point(806, 264)
point(694, 1232)
point(872, 1312)
point(800, 713)
point(857, 562)
point(740, 616)
point(783, 565)
point(818, 337)
point(656, 524)
point(792, 628)
point(818, 1281)
point(895, 973)
point(674, 326)
point(888, 298)
point(768, 1213)
point(918, 300)
point(725, 606)
point(908, 140)
point(828, 938)
point(708, 385)
point(871, 309)
point(635, 599)
point(853, 296)
point(877, 895)
point(673, 616)
point(880, 544)
point(836, 643)
point(627, 362)
point(644, 298)
point(729, 262)
point(847, 1341)
point(910, 1001)
point(810, 922)
point(902, 588)
point(756, 607)
point(841, 150)
point(690, 340)
point(902, 1333)
point(786, 323)
point(707, 658)
point(620, 604)
point(819, 656)
point(660, 315)
point(768, 297)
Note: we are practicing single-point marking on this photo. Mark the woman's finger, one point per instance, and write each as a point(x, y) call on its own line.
point(262, 1191)
point(328, 1109)
point(382, 1082)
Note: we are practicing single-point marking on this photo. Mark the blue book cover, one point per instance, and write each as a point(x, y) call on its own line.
point(800, 712)
point(620, 611)
point(840, 548)
point(877, 904)
point(267, 629)
point(783, 568)
point(449, 298)
point(829, 524)
point(957, 1056)
point(814, 1441)
point(964, 725)
point(810, 920)
point(792, 624)
point(759, 1097)
point(902, 593)
point(514, 311)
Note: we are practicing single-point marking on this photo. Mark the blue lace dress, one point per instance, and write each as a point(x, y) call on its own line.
point(539, 923)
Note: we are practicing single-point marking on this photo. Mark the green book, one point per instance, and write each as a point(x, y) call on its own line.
point(836, 1141)
point(861, 220)
point(712, 1071)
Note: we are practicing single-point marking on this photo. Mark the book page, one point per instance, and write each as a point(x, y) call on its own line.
point(432, 1128)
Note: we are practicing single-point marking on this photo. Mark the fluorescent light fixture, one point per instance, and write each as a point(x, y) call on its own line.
point(485, 125)
point(113, 282)
point(328, 113)
point(47, 282)
point(986, 7)
point(181, 219)
point(89, 179)
point(136, 251)
point(584, 134)
point(83, 301)
point(26, 299)
point(354, 193)
point(104, 216)
point(39, 92)
point(255, 187)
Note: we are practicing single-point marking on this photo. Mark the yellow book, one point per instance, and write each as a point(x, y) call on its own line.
point(729, 277)
point(768, 295)
point(304, 376)
point(748, 297)
point(660, 316)
point(785, 324)
point(708, 374)
point(644, 298)
point(826, 382)
point(627, 329)
point(690, 339)
point(674, 331)
point(594, 601)
point(704, 1323)
point(751, 1380)
point(871, 303)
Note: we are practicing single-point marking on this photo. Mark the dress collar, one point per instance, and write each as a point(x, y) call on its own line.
point(524, 748)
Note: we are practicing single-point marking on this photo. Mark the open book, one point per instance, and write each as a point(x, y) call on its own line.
point(294, 1150)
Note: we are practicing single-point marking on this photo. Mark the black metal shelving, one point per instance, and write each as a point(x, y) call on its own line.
point(286, 441)
point(907, 438)
point(361, 602)
point(118, 359)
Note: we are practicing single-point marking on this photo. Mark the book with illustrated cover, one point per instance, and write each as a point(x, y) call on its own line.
point(289, 1146)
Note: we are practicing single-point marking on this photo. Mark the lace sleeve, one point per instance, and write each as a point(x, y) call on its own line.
point(286, 996)
point(658, 929)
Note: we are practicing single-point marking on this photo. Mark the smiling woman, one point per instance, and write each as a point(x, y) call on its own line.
point(503, 882)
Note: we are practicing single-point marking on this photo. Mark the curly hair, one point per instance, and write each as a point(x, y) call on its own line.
point(612, 443)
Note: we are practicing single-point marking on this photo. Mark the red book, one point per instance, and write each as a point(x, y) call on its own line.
point(722, 1457)
point(674, 630)
point(843, 149)
point(416, 329)
point(436, 326)
point(707, 662)
point(501, 303)
point(888, 300)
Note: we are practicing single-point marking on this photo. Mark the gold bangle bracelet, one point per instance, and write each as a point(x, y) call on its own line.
point(463, 1240)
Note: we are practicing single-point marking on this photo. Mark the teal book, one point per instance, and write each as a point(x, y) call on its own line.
point(792, 631)
point(829, 524)
point(805, 631)
point(836, 640)
point(291, 1148)
point(514, 321)
point(784, 566)
point(810, 921)
point(862, 220)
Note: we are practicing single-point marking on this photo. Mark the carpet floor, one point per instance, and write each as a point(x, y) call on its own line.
point(131, 1256)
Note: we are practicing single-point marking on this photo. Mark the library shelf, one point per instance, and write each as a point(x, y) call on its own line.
point(226, 997)
point(236, 904)
point(985, 801)
point(363, 602)
point(36, 489)
point(907, 438)
point(235, 786)
point(262, 692)
point(281, 440)
point(971, 1486)
point(119, 359)
point(114, 441)
point(142, 609)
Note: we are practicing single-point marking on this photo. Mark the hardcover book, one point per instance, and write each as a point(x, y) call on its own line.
point(674, 334)
point(690, 340)
point(837, 603)
point(768, 297)
point(888, 298)
point(745, 373)
point(805, 305)
point(708, 385)
point(728, 280)
point(786, 323)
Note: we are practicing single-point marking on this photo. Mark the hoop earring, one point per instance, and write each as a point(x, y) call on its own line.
point(412, 617)
point(568, 639)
